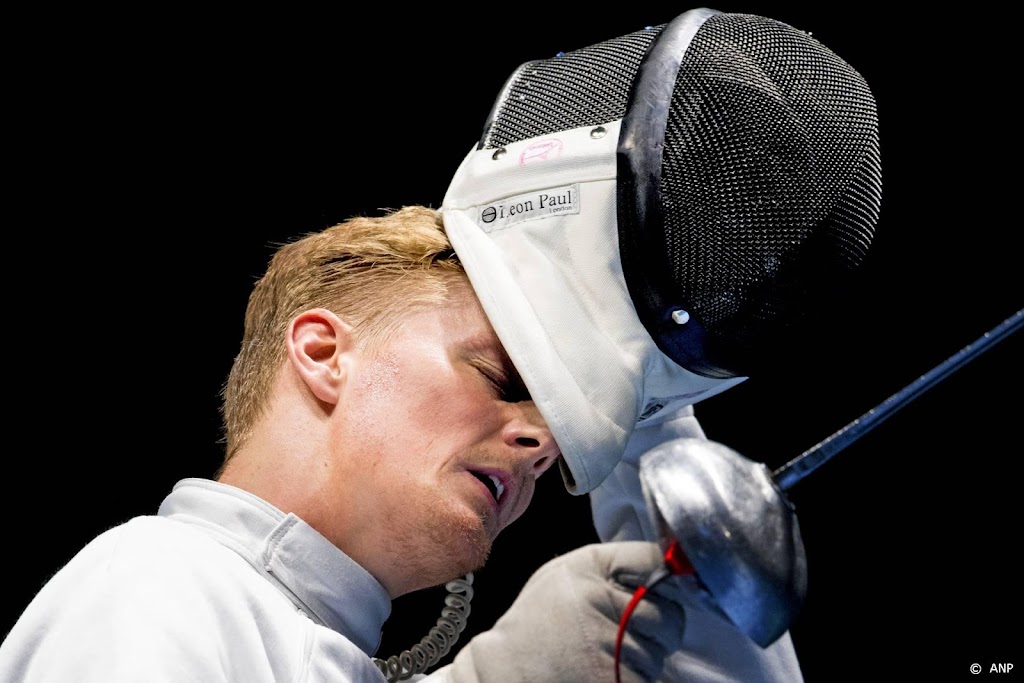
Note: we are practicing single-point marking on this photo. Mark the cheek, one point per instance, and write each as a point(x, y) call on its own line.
point(374, 388)
point(402, 409)
point(416, 414)
point(436, 403)
point(395, 389)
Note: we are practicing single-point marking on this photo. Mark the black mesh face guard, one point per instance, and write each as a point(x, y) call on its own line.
point(585, 87)
point(749, 180)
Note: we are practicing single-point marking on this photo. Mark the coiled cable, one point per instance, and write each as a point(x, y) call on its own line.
point(439, 640)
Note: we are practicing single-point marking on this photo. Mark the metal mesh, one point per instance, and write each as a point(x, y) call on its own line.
point(770, 183)
point(586, 87)
point(771, 176)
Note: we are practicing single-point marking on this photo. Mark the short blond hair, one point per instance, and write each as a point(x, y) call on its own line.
point(367, 270)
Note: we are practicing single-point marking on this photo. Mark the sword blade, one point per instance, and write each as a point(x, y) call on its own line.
point(801, 466)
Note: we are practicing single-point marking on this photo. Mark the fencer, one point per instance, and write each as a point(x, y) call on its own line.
point(639, 221)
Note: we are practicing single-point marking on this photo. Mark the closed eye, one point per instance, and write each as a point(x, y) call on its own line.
point(498, 381)
point(487, 357)
point(508, 391)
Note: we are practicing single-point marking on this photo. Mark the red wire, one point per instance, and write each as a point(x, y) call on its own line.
point(638, 595)
point(676, 563)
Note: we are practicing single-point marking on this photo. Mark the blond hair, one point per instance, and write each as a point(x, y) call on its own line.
point(367, 270)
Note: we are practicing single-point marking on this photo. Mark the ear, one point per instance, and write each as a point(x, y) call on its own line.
point(320, 349)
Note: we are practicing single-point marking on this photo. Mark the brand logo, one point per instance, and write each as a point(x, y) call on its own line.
point(531, 205)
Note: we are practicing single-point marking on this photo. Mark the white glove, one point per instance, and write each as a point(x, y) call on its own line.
point(712, 649)
point(563, 625)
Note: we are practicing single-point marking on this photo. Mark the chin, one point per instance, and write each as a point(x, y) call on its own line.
point(466, 545)
point(447, 542)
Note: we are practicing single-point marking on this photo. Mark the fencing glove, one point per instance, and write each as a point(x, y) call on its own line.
point(563, 625)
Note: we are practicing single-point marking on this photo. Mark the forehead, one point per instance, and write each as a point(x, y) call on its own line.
point(455, 320)
point(465, 329)
point(465, 323)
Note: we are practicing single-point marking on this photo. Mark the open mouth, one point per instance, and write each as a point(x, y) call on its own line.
point(492, 483)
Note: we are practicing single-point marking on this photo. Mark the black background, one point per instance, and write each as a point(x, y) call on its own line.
point(160, 158)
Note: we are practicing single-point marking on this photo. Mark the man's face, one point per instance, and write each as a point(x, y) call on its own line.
point(437, 442)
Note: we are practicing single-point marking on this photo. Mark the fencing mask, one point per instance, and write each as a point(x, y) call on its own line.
point(642, 218)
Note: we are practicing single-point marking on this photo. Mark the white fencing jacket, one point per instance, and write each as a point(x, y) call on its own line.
point(218, 586)
point(221, 586)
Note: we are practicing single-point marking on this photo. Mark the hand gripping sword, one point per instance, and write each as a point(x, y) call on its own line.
point(730, 516)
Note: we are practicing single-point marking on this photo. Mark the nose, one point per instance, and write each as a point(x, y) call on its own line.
point(528, 434)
